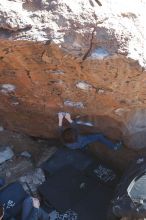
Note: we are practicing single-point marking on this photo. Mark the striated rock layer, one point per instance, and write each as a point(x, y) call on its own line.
point(84, 57)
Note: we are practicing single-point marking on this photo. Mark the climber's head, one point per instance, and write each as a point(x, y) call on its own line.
point(69, 135)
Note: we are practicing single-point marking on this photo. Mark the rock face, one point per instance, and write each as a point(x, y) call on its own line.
point(84, 57)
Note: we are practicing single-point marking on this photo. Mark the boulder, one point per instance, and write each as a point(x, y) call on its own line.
point(84, 57)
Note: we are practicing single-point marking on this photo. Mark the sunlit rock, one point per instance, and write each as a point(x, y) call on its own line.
point(74, 104)
point(82, 57)
point(83, 85)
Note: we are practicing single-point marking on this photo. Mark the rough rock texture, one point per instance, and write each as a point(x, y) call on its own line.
point(15, 163)
point(6, 153)
point(13, 169)
point(33, 180)
point(85, 57)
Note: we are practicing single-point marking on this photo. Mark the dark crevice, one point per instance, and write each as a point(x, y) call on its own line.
point(11, 30)
point(116, 74)
point(91, 3)
point(5, 30)
point(43, 52)
point(7, 50)
point(27, 28)
point(29, 76)
point(98, 2)
point(48, 42)
point(90, 47)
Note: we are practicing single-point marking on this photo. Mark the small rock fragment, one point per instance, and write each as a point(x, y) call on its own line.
point(74, 104)
point(6, 153)
point(83, 85)
point(101, 91)
point(26, 154)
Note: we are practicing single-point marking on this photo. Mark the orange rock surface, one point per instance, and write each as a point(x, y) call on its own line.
point(93, 81)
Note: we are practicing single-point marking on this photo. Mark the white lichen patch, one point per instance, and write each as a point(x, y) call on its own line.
point(86, 123)
point(99, 53)
point(56, 81)
point(15, 103)
point(101, 91)
point(58, 72)
point(83, 85)
point(7, 88)
point(74, 104)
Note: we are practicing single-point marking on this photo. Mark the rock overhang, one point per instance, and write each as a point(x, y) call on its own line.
point(73, 42)
point(117, 27)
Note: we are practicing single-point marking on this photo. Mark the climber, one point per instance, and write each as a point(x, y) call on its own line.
point(72, 139)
